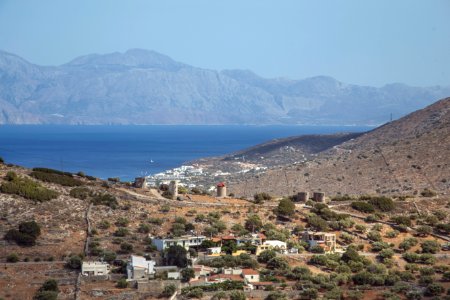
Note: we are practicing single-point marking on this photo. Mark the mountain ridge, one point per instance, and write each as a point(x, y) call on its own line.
point(405, 156)
point(146, 87)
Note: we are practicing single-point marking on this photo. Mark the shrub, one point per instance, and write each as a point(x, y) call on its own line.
point(106, 200)
point(52, 171)
point(363, 206)
point(10, 176)
point(424, 230)
point(401, 220)
point(176, 256)
point(253, 223)
point(28, 189)
point(104, 224)
point(74, 262)
point(64, 180)
point(2, 161)
point(122, 283)
point(382, 203)
point(433, 289)
point(317, 223)
point(165, 208)
point(144, 228)
point(266, 255)
point(168, 291)
point(187, 274)
point(286, 208)
point(195, 293)
point(278, 263)
point(428, 193)
point(121, 232)
point(80, 193)
point(361, 228)
point(392, 234)
point(430, 246)
point(26, 235)
point(46, 295)
point(126, 247)
point(374, 236)
point(12, 258)
point(122, 222)
point(316, 249)
point(408, 243)
point(261, 197)
point(49, 285)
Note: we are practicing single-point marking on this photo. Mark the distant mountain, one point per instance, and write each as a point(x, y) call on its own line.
point(145, 87)
point(405, 156)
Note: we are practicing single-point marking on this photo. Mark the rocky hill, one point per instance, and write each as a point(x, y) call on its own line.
point(145, 87)
point(405, 156)
point(278, 152)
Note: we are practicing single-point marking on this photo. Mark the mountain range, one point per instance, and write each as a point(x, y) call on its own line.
point(145, 87)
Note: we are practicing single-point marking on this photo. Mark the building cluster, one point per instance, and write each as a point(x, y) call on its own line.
point(140, 269)
point(181, 174)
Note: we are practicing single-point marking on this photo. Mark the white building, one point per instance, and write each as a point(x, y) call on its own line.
point(140, 268)
point(272, 245)
point(94, 268)
point(250, 275)
point(185, 241)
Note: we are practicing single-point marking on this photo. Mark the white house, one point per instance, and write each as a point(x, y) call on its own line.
point(272, 245)
point(140, 268)
point(185, 241)
point(250, 275)
point(94, 268)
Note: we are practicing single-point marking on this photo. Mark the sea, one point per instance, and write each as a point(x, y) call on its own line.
point(129, 151)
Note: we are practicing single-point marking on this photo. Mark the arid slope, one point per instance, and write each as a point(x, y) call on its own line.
point(401, 157)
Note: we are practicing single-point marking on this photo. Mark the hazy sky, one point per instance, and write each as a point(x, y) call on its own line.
point(363, 42)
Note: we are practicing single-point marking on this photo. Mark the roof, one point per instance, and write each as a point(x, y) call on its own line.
point(225, 277)
point(221, 184)
point(140, 262)
point(249, 272)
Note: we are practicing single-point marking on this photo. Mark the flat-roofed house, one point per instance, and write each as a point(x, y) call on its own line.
point(184, 241)
point(272, 245)
point(94, 268)
point(140, 268)
point(323, 239)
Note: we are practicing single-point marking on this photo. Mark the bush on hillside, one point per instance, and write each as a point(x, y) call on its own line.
point(64, 180)
point(106, 200)
point(28, 189)
point(428, 193)
point(382, 203)
point(26, 235)
point(363, 206)
point(52, 171)
point(261, 197)
point(80, 193)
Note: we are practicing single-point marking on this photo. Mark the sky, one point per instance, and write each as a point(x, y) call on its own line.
point(361, 42)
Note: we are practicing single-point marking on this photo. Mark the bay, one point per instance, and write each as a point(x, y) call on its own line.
point(131, 151)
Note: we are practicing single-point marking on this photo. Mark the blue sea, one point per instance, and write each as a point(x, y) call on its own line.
point(128, 151)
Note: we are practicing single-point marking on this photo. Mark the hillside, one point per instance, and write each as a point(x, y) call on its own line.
point(145, 87)
point(278, 152)
point(402, 157)
point(83, 219)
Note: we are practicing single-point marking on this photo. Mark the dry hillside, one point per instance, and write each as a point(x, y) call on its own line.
point(405, 156)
